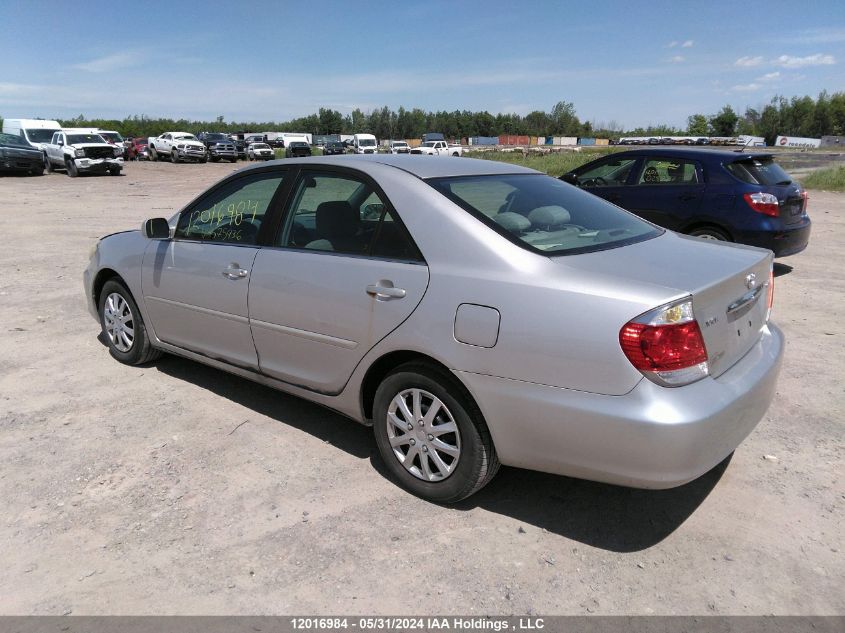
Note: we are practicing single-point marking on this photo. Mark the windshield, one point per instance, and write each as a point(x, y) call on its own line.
point(185, 137)
point(11, 139)
point(545, 214)
point(216, 137)
point(260, 146)
point(759, 171)
point(73, 139)
point(400, 144)
point(366, 142)
point(429, 144)
point(114, 137)
point(40, 135)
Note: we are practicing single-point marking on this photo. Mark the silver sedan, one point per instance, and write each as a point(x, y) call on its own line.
point(474, 313)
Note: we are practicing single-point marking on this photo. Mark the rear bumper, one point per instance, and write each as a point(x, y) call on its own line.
point(788, 240)
point(652, 437)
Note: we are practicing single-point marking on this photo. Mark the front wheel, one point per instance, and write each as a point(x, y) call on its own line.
point(123, 326)
point(710, 233)
point(153, 154)
point(174, 156)
point(72, 170)
point(431, 435)
point(48, 165)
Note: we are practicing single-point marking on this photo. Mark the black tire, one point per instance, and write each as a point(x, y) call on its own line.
point(174, 155)
point(37, 171)
point(72, 171)
point(233, 160)
point(477, 462)
point(710, 233)
point(48, 165)
point(141, 351)
point(153, 154)
point(114, 172)
point(214, 159)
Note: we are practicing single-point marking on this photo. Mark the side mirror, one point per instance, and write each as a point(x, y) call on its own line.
point(571, 178)
point(157, 229)
point(60, 143)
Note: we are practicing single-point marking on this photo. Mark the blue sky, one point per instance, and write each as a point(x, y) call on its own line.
point(632, 63)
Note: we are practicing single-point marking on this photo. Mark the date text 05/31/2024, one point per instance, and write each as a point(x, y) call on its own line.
point(453, 623)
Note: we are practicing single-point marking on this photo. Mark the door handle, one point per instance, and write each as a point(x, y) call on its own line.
point(234, 271)
point(688, 196)
point(384, 290)
point(612, 197)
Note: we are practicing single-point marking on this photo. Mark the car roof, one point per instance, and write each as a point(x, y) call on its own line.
point(696, 152)
point(420, 166)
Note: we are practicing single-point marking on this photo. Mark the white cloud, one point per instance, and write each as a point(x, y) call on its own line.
point(677, 59)
point(749, 62)
point(688, 44)
point(112, 62)
point(769, 76)
point(671, 44)
point(789, 61)
point(746, 87)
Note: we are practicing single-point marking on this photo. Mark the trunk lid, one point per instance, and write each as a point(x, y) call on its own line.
point(727, 282)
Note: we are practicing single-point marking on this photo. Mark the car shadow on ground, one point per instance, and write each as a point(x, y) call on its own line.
point(600, 515)
point(782, 269)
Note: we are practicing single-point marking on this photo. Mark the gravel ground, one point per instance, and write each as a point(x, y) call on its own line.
point(179, 489)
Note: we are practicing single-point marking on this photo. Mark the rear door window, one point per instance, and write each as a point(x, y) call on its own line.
point(669, 171)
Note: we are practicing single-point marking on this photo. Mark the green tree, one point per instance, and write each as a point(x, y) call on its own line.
point(724, 123)
point(697, 125)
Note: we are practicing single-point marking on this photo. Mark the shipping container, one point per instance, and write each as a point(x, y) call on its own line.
point(602, 141)
point(586, 141)
point(413, 142)
point(550, 140)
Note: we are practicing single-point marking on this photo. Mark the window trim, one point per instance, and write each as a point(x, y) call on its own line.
point(638, 160)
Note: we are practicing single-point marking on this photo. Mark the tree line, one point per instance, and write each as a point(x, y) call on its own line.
point(798, 116)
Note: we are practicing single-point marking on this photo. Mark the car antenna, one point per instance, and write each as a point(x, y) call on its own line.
point(742, 149)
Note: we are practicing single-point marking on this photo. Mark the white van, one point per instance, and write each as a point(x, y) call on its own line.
point(36, 132)
point(364, 144)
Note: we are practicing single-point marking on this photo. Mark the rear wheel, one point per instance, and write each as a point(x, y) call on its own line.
point(710, 233)
point(123, 326)
point(431, 435)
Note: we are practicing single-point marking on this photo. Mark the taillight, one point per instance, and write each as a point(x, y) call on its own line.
point(765, 203)
point(806, 197)
point(666, 345)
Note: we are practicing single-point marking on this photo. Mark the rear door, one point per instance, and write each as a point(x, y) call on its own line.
point(343, 273)
point(668, 191)
point(195, 285)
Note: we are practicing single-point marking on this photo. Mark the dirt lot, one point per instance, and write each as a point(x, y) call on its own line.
point(178, 489)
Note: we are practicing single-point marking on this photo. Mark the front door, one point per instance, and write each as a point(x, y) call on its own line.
point(195, 285)
point(344, 273)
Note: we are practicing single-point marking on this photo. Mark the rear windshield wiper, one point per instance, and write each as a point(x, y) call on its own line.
point(784, 182)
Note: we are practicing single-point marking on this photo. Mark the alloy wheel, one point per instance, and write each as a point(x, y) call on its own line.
point(119, 322)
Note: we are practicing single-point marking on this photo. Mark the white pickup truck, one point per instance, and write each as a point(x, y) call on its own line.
point(82, 151)
point(438, 148)
point(177, 146)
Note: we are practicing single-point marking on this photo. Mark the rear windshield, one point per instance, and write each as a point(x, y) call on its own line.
point(759, 171)
point(545, 214)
